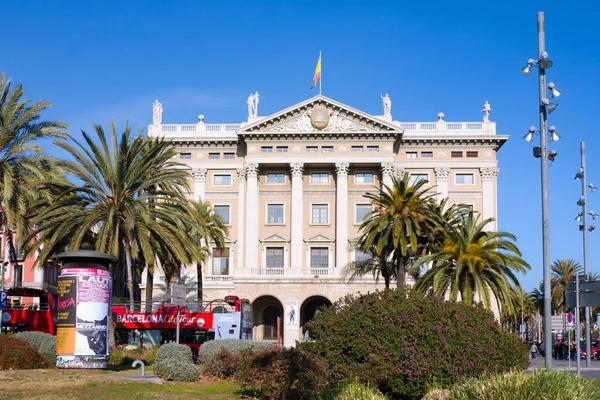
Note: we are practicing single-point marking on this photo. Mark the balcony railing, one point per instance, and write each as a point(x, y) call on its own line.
point(317, 271)
point(268, 271)
point(192, 128)
point(462, 128)
point(218, 278)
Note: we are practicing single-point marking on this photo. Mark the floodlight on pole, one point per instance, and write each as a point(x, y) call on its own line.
point(553, 136)
point(550, 107)
point(592, 187)
point(544, 62)
point(554, 92)
point(527, 69)
point(530, 135)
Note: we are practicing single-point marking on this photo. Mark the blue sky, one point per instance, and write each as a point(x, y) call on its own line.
point(100, 59)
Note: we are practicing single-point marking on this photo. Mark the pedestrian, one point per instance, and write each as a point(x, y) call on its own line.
point(533, 350)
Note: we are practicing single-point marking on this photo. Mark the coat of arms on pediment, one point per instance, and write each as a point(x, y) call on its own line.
point(320, 114)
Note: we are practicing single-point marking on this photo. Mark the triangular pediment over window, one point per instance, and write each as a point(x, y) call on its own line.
point(319, 238)
point(275, 237)
point(320, 114)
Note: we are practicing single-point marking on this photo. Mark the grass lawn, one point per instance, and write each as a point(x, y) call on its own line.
point(105, 384)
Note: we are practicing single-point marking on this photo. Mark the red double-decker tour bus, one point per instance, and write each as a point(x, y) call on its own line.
point(230, 318)
point(28, 309)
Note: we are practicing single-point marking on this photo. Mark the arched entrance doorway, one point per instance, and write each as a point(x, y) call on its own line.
point(266, 310)
point(309, 309)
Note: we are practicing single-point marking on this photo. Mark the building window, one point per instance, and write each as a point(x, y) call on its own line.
point(417, 177)
point(220, 258)
point(311, 149)
point(373, 149)
point(467, 209)
point(185, 156)
point(214, 156)
point(327, 149)
point(319, 257)
point(266, 149)
point(411, 154)
point(363, 177)
point(275, 213)
point(472, 154)
point(362, 210)
point(222, 179)
point(228, 156)
point(427, 154)
point(274, 257)
point(275, 177)
point(357, 149)
point(456, 154)
point(282, 149)
point(361, 258)
point(223, 212)
point(319, 178)
point(319, 214)
point(464, 179)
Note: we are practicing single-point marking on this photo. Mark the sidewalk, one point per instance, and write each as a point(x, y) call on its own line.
point(593, 371)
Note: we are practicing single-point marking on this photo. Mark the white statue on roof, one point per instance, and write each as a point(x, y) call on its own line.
point(486, 109)
point(156, 113)
point(253, 104)
point(387, 105)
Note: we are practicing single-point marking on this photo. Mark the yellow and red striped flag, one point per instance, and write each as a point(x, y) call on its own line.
point(317, 75)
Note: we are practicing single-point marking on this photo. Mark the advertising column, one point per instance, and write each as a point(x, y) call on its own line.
point(82, 317)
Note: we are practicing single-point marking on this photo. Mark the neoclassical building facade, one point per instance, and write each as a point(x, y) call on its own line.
point(290, 187)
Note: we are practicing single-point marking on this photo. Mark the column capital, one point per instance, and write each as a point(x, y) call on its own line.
point(441, 173)
point(341, 168)
point(199, 174)
point(251, 169)
point(241, 173)
point(296, 168)
point(489, 173)
point(388, 168)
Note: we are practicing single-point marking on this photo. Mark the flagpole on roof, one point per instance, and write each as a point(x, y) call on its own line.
point(321, 78)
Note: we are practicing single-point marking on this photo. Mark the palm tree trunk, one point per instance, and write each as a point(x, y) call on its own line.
point(149, 288)
point(400, 270)
point(129, 274)
point(200, 286)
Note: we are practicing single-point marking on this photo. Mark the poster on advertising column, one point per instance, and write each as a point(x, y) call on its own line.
point(66, 315)
point(93, 296)
point(291, 314)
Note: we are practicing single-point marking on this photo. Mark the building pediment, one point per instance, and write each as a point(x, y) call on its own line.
point(320, 114)
point(319, 237)
point(275, 237)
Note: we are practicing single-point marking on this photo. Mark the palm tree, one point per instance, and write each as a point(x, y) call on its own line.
point(207, 227)
point(128, 190)
point(20, 161)
point(402, 213)
point(472, 260)
point(562, 273)
point(373, 264)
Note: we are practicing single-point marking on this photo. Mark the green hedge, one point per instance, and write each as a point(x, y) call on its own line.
point(402, 341)
point(173, 362)
point(45, 343)
point(19, 354)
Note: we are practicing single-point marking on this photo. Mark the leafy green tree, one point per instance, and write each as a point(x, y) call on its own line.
point(474, 261)
point(128, 191)
point(402, 214)
point(21, 160)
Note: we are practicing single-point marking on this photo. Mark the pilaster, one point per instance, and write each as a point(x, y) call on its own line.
point(199, 175)
point(489, 187)
point(251, 215)
point(241, 173)
point(297, 218)
point(341, 223)
point(441, 181)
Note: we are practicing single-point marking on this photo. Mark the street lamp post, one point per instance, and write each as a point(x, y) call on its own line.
point(582, 217)
point(545, 107)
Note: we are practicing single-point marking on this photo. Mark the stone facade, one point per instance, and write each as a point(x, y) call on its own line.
point(290, 188)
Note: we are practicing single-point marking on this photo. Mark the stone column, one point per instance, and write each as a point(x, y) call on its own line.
point(241, 173)
point(297, 218)
point(441, 181)
point(488, 186)
point(387, 171)
point(199, 175)
point(341, 220)
point(252, 215)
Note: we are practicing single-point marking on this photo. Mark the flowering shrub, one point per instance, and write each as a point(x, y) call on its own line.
point(20, 354)
point(282, 373)
point(45, 343)
point(402, 341)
